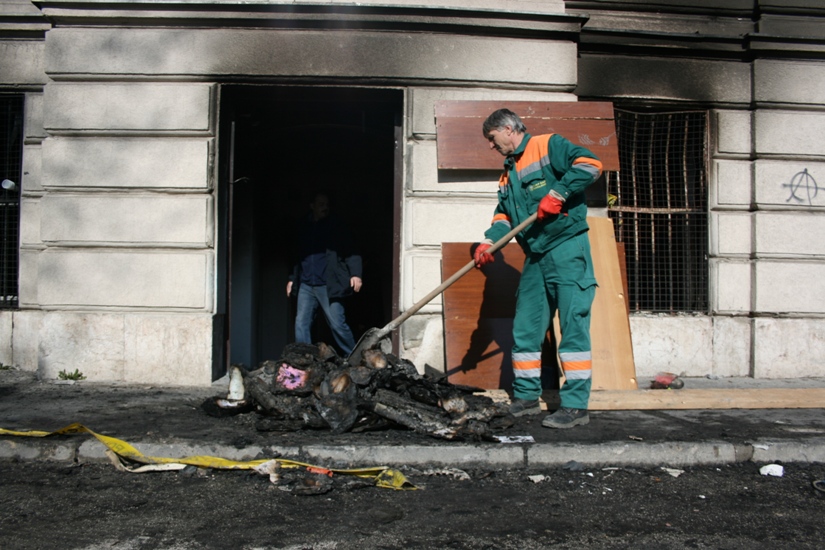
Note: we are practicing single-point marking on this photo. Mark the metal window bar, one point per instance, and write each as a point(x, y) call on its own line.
point(658, 203)
point(11, 169)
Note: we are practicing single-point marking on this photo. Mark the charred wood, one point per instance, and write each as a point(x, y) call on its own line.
point(311, 387)
point(415, 420)
point(396, 401)
point(337, 402)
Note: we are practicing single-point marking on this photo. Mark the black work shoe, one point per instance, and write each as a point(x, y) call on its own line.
point(521, 407)
point(566, 418)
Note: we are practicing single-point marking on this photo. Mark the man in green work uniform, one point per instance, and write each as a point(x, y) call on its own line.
point(546, 174)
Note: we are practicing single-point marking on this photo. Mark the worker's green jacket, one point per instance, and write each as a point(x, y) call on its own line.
point(538, 166)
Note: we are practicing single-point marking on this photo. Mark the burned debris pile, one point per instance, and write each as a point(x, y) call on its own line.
point(311, 387)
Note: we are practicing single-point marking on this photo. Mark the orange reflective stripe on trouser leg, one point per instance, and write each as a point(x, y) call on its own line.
point(577, 365)
point(527, 365)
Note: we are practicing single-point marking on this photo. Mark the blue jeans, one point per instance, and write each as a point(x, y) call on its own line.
point(309, 298)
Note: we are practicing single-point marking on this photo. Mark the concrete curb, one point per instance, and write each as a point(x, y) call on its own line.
point(93, 450)
point(516, 456)
point(422, 455)
point(674, 453)
point(16, 449)
point(808, 450)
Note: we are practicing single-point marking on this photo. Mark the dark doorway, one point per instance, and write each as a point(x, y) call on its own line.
point(277, 146)
point(11, 171)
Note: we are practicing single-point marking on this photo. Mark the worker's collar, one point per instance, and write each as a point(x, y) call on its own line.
point(521, 146)
point(510, 161)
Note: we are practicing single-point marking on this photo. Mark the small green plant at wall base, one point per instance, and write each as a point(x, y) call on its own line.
point(5, 367)
point(76, 375)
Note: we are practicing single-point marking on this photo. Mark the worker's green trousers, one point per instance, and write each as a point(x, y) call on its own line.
point(561, 279)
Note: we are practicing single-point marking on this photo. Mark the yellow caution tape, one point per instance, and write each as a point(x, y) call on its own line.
point(393, 479)
point(383, 476)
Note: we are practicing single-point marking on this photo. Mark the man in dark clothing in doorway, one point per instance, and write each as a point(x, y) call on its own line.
point(328, 271)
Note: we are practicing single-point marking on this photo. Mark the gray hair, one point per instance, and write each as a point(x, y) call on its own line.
point(501, 118)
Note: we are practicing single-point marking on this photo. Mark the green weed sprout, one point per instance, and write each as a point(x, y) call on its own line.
point(76, 375)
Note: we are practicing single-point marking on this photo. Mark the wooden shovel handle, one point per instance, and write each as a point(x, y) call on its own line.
point(395, 323)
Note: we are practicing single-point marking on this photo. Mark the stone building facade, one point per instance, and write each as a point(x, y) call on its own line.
point(168, 147)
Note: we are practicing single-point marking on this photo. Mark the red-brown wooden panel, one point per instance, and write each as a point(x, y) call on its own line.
point(461, 144)
point(479, 310)
point(527, 110)
point(478, 318)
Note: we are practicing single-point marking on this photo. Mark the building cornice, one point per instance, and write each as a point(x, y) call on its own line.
point(737, 30)
point(456, 17)
point(20, 19)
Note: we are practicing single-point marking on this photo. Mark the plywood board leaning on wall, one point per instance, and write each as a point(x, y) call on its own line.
point(613, 365)
point(479, 309)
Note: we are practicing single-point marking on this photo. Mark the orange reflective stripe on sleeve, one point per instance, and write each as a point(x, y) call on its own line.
point(591, 165)
point(500, 218)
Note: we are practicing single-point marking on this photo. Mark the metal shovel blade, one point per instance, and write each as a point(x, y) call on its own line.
point(374, 338)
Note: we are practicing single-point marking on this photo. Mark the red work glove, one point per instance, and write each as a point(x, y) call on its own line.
point(550, 205)
point(481, 256)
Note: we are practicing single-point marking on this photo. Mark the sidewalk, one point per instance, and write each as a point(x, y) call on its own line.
point(170, 423)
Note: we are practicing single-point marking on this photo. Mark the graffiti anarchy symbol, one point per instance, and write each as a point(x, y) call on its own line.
point(803, 183)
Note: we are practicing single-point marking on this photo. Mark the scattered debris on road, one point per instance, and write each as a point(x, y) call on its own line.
point(667, 381)
point(574, 466)
point(454, 473)
point(515, 438)
point(774, 470)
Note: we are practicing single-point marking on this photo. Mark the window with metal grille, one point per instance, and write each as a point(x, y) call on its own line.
point(11, 169)
point(658, 203)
